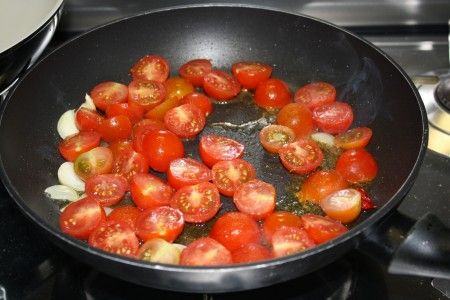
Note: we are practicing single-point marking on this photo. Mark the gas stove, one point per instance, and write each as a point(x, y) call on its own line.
point(413, 33)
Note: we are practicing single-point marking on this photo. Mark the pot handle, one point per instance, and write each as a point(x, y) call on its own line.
point(409, 247)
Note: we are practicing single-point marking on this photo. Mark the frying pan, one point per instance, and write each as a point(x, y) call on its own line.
point(301, 49)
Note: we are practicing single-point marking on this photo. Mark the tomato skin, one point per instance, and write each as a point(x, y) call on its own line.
point(185, 121)
point(133, 111)
point(129, 163)
point(301, 156)
point(107, 93)
point(194, 70)
point(127, 214)
point(343, 205)
point(249, 253)
point(322, 229)
point(290, 240)
point(228, 175)
point(205, 252)
point(234, 229)
point(279, 219)
point(115, 128)
point(160, 148)
point(357, 165)
point(107, 189)
point(221, 85)
point(273, 137)
point(149, 191)
point(150, 67)
point(87, 119)
point(200, 100)
point(297, 117)
point(321, 184)
point(198, 203)
point(366, 202)
point(272, 93)
point(115, 237)
point(74, 145)
point(255, 198)
point(141, 128)
point(315, 94)
point(81, 217)
point(333, 118)
point(214, 148)
point(94, 162)
point(146, 94)
point(160, 222)
point(187, 171)
point(250, 74)
point(354, 138)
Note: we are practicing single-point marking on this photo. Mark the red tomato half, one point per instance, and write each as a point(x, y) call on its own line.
point(127, 214)
point(160, 222)
point(194, 70)
point(214, 148)
point(290, 240)
point(250, 74)
point(354, 138)
point(280, 219)
point(248, 253)
point(205, 252)
point(221, 85)
point(133, 111)
point(87, 119)
point(115, 128)
point(297, 117)
point(200, 100)
point(107, 189)
point(150, 67)
point(315, 94)
point(74, 145)
point(320, 184)
point(146, 94)
point(149, 191)
point(272, 93)
point(129, 163)
point(187, 171)
point(81, 217)
point(120, 146)
point(115, 237)
point(321, 229)
point(198, 203)
point(273, 137)
point(94, 162)
point(357, 165)
point(255, 198)
point(141, 128)
point(108, 92)
point(235, 229)
point(301, 156)
point(333, 118)
point(228, 175)
point(186, 120)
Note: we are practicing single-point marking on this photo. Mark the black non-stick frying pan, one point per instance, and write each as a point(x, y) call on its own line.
point(300, 48)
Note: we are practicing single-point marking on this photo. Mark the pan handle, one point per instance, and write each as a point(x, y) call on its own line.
point(409, 247)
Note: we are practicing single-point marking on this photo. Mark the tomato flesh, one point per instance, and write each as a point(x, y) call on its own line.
point(146, 94)
point(194, 70)
point(221, 85)
point(214, 148)
point(322, 229)
point(187, 171)
point(205, 252)
point(200, 100)
point(87, 119)
point(333, 118)
point(160, 222)
point(249, 253)
point(150, 67)
point(297, 117)
point(129, 163)
point(272, 93)
point(274, 137)
point(133, 111)
point(320, 184)
point(250, 74)
point(315, 94)
point(185, 121)
point(228, 175)
point(149, 191)
point(108, 92)
point(354, 138)
point(127, 214)
point(301, 156)
point(343, 205)
point(94, 162)
point(72, 146)
point(115, 128)
point(290, 240)
point(107, 189)
point(141, 128)
point(357, 165)
point(255, 198)
point(280, 219)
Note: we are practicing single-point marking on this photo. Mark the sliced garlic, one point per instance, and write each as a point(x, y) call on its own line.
point(88, 103)
point(61, 192)
point(67, 176)
point(66, 124)
point(323, 138)
point(179, 246)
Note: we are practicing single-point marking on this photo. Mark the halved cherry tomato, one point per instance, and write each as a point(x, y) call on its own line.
point(87, 119)
point(301, 156)
point(343, 205)
point(357, 165)
point(115, 237)
point(214, 148)
point(187, 171)
point(141, 128)
point(333, 118)
point(74, 145)
point(160, 148)
point(158, 250)
point(115, 128)
point(200, 100)
point(255, 198)
point(250, 74)
point(146, 94)
point(297, 117)
point(198, 203)
point(133, 111)
point(120, 146)
point(205, 252)
point(194, 70)
point(228, 175)
point(272, 93)
point(248, 253)
point(107, 189)
point(280, 219)
point(354, 138)
point(273, 137)
point(186, 120)
point(129, 163)
point(290, 240)
point(322, 229)
point(220, 85)
point(320, 184)
point(235, 229)
point(315, 94)
point(81, 217)
point(149, 191)
point(108, 92)
point(160, 222)
point(94, 162)
point(127, 214)
point(150, 67)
